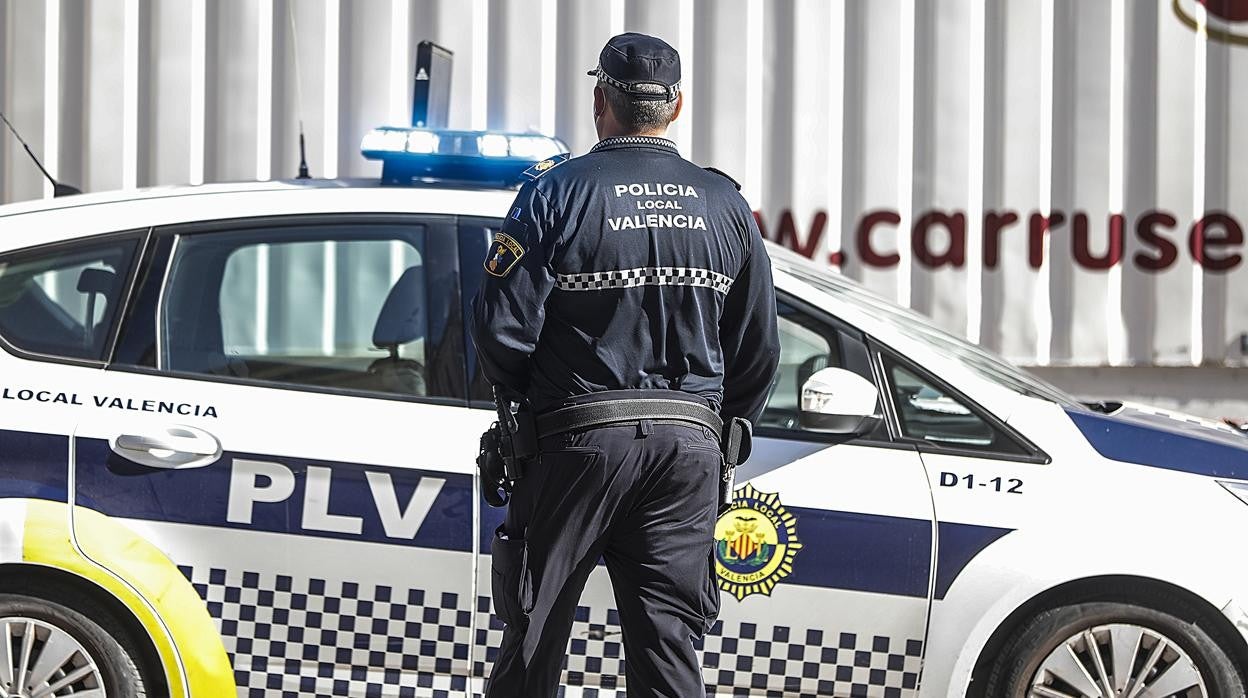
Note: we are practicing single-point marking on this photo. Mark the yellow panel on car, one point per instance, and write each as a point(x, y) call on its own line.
point(146, 582)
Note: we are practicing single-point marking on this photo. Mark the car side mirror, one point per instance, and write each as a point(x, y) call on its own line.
point(836, 401)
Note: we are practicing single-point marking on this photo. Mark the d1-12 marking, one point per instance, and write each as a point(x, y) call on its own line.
point(1011, 485)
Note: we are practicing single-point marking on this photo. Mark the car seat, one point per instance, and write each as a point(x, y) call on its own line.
point(97, 285)
point(402, 319)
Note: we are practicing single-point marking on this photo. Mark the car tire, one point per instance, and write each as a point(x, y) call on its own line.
point(98, 649)
point(1037, 644)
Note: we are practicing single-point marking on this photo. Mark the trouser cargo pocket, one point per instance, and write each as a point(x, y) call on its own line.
point(709, 597)
point(511, 582)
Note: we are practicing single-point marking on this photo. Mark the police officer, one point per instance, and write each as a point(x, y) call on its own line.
point(628, 299)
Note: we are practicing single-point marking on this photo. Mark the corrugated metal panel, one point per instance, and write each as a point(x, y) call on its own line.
point(919, 146)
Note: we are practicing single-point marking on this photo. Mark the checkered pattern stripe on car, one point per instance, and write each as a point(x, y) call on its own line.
point(776, 660)
point(644, 276)
point(743, 659)
point(290, 637)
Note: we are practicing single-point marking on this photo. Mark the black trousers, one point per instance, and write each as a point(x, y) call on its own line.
point(641, 497)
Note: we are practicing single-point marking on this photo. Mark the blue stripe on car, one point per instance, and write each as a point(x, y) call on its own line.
point(842, 550)
point(34, 465)
point(959, 544)
point(1162, 442)
point(115, 486)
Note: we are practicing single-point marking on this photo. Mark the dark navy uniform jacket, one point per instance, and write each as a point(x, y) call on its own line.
point(629, 268)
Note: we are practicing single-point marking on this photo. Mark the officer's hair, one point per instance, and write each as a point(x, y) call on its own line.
point(639, 114)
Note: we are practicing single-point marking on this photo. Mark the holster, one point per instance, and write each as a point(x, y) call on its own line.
point(737, 444)
point(523, 444)
point(505, 448)
point(495, 487)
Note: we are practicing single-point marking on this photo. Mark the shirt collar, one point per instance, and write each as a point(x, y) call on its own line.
point(634, 142)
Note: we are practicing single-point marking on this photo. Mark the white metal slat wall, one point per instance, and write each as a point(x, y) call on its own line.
point(1232, 197)
point(828, 111)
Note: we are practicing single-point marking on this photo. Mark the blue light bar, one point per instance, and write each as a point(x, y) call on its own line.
point(410, 155)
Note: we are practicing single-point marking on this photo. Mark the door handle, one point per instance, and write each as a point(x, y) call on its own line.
point(176, 444)
point(175, 447)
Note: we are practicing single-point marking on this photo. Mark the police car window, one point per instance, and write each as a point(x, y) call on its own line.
point(341, 307)
point(806, 346)
point(928, 413)
point(64, 301)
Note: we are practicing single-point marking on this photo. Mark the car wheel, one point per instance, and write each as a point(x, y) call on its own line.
point(1108, 650)
point(53, 650)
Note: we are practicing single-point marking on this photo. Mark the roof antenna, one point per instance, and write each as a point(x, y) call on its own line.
point(58, 189)
point(294, 50)
point(303, 156)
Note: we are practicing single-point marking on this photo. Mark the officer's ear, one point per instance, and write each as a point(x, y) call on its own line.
point(680, 102)
point(600, 102)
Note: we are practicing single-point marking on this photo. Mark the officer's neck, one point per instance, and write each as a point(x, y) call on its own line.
point(608, 132)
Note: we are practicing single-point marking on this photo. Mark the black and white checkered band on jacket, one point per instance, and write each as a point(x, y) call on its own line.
point(644, 276)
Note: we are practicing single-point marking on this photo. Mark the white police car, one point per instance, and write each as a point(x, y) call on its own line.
point(223, 468)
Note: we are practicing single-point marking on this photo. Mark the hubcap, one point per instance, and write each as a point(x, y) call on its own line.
point(1118, 661)
point(38, 660)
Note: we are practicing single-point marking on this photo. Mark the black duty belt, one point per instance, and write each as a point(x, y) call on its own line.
point(607, 412)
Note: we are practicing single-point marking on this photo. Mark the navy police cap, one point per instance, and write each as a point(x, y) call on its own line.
point(631, 60)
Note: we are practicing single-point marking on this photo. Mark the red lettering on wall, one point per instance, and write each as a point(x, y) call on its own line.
point(1215, 241)
point(1037, 226)
point(868, 254)
point(955, 254)
point(786, 232)
point(1201, 242)
point(994, 223)
point(1146, 231)
point(1081, 246)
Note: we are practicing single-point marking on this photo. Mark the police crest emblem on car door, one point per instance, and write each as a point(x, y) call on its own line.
point(755, 543)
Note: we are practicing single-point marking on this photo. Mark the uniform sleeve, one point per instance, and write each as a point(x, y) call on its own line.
point(748, 335)
point(509, 309)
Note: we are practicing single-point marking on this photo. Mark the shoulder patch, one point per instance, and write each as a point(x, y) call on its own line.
point(546, 165)
point(725, 175)
point(503, 255)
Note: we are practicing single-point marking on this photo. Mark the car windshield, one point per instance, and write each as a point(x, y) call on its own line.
point(917, 327)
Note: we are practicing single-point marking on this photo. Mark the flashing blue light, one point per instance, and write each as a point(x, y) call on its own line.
point(415, 154)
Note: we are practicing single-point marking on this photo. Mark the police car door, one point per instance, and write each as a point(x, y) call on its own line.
point(824, 560)
point(285, 419)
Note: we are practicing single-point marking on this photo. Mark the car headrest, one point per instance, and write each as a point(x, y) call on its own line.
point(402, 316)
point(94, 280)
